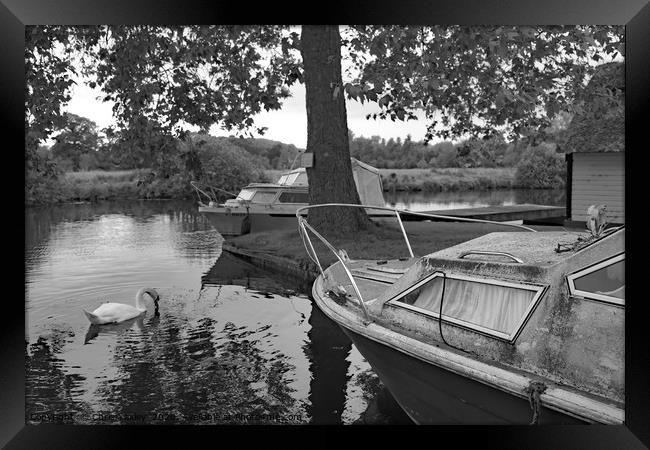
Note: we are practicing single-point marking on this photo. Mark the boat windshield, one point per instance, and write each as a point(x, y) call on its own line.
point(603, 281)
point(246, 194)
point(493, 308)
point(291, 178)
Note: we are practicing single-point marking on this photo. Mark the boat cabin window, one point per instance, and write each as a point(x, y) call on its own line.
point(283, 179)
point(492, 307)
point(604, 281)
point(264, 196)
point(246, 194)
point(291, 178)
point(294, 197)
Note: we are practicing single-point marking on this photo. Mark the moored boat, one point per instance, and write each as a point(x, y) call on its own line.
point(507, 328)
point(267, 206)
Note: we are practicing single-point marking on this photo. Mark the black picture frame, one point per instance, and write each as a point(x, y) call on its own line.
point(634, 14)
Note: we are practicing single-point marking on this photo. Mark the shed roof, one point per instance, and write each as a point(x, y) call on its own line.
point(601, 125)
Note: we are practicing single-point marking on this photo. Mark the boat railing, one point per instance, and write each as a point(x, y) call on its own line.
point(342, 256)
point(488, 253)
point(211, 197)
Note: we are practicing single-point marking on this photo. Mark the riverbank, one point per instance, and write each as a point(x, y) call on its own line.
point(283, 250)
point(96, 185)
point(448, 179)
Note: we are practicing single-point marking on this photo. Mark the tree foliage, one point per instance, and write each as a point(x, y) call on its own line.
point(473, 80)
point(541, 168)
point(77, 138)
point(469, 80)
point(600, 125)
point(194, 75)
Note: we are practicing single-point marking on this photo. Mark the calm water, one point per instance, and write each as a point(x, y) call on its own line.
point(232, 344)
point(426, 201)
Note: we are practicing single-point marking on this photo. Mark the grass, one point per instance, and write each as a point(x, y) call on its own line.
point(385, 241)
point(105, 176)
point(101, 185)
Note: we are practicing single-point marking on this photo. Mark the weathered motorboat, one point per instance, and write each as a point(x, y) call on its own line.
point(507, 328)
point(265, 206)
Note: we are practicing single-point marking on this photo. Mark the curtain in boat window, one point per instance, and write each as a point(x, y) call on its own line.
point(498, 308)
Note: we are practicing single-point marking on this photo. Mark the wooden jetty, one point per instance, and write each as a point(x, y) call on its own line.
point(526, 212)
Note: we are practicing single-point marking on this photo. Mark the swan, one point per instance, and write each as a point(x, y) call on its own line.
point(119, 312)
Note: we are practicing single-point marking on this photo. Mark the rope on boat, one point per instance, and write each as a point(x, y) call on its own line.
point(534, 390)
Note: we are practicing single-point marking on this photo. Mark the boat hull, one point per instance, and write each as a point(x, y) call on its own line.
point(432, 395)
point(226, 223)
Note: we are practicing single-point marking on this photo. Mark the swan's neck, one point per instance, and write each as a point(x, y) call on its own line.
point(139, 300)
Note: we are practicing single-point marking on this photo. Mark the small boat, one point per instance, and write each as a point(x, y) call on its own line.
point(509, 328)
point(268, 206)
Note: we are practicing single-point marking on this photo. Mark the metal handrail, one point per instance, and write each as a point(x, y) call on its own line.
point(303, 223)
point(309, 247)
point(211, 198)
point(489, 253)
point(413, 213)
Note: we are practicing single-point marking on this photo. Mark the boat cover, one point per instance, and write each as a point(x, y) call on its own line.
point(366, 177)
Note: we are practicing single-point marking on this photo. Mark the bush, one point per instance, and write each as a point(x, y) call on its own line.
point(207, 159)
point(223, 164)
point(541, 168)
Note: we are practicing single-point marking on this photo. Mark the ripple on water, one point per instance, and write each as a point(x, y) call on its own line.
point(232, 344)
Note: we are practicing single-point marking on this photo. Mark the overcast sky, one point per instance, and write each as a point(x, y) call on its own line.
point(288, 125)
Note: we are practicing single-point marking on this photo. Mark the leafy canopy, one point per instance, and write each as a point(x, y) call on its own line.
point(468, 80)
point(476, 79)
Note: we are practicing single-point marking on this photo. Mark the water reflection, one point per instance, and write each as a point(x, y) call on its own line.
point(428, 201)
point(327, 349)
point(232, 343)
point(114, 328)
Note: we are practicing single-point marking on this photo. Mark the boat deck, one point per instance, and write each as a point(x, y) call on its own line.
point(371, 278)
point(537, 249)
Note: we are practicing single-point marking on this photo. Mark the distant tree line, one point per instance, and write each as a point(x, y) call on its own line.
point(231, 162)
point(492, 151)
point(81, 146)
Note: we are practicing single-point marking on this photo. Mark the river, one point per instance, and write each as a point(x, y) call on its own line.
point(232, 343)
point(427, 201)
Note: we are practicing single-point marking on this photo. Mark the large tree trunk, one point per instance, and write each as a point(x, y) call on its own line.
point(330, 178)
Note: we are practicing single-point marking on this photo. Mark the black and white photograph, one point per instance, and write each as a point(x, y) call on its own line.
point(325, 224)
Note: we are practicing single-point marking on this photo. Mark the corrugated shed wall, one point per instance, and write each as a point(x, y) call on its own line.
point(598, 178)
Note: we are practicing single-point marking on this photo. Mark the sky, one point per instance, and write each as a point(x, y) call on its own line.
point(287, 125)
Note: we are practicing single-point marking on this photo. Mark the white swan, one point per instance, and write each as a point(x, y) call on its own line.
point(119, 312)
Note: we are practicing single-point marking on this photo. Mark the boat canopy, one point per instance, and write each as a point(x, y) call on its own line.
point(366, 178)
